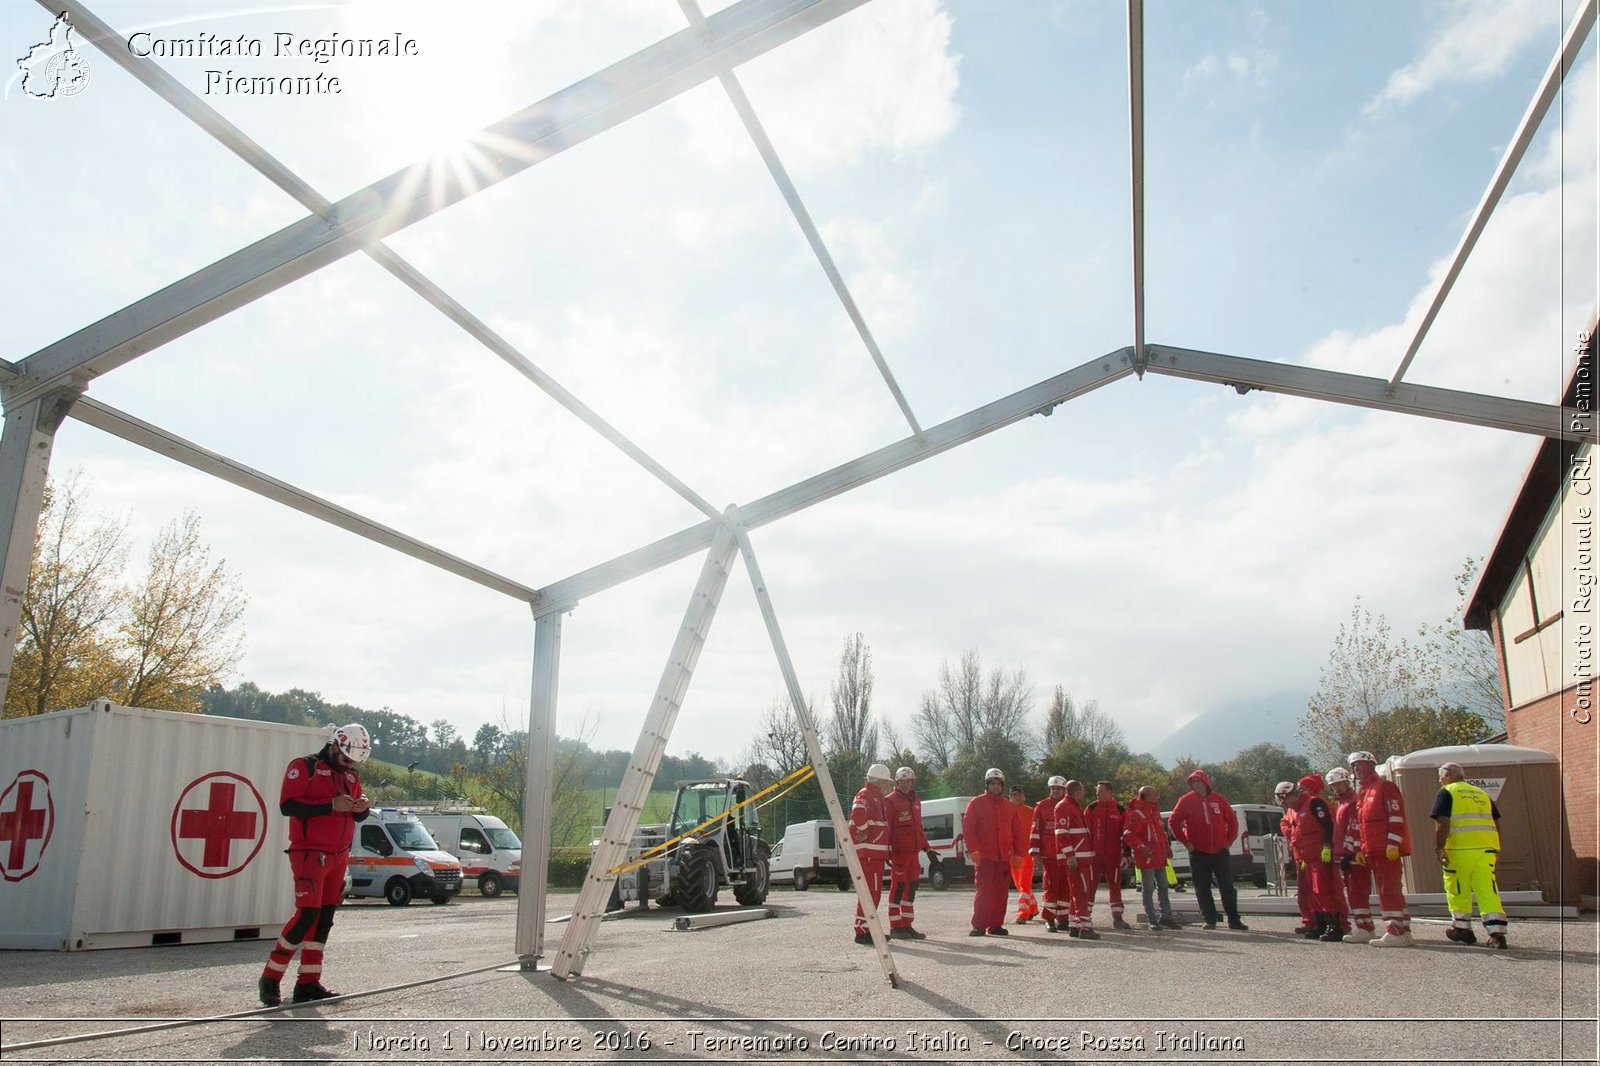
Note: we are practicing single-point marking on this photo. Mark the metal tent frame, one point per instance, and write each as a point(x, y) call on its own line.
point(43, 389)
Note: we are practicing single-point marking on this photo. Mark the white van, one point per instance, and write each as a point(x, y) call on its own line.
point(489, 851)
point(1257, 822)
point(809, 853)
point(393, 856)
point(941, 824)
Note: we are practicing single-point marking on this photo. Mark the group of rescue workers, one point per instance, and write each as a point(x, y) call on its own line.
point(1343, 851)
point(1347, 832)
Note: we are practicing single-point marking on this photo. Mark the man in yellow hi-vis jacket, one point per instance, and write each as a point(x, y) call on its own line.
point(1467, 836)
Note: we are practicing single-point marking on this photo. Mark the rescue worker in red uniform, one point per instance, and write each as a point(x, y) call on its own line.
point(1072, 831)
point(1284, 796)
point(1313, 851)
point(1146, 839)
point(907, 843)
point(1022, 862)
point(321, 797)
point(1347, 841)
point(1381, 825)
point(1046, 851)
point(1205, 823)
point(1105, 816)
point(990, 826)
point(869, 832)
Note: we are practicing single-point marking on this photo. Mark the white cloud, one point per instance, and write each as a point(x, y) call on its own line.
point(1478, 43)
point(881, 78)
point(1253, 65)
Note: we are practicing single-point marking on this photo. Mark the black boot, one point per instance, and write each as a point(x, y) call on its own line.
point(1336, 931)
point(1316, 931)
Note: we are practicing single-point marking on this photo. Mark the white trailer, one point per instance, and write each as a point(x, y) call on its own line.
point(122, 827)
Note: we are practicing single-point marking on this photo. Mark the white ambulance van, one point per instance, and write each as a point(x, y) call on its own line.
point(393, 856)
point(941, 824)
point(490, 852)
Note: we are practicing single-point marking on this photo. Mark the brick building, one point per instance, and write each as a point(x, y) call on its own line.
point(1536, 597)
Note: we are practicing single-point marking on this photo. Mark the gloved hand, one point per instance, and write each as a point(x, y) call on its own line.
point(1072, 862)
point(932, 854)
point(975, 856)
point(1345, 863)
point(1361, 858)
point(1300, 864)
point(1392, 852)
point(1327, 853)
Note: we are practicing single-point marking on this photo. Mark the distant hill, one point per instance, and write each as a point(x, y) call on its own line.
point(1222, 732)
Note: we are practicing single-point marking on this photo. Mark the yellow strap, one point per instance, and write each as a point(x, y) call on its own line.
point(793, 781)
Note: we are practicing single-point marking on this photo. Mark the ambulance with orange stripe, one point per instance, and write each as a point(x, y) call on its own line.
point(393, 856)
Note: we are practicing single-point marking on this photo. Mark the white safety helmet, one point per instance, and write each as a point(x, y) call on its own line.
point(354, 741)
point(992, 774)
point(1284, 788)
point(1362, 756)
point(1337, 774)
point(878, 772)
point(1056, 782)
point(905, 773)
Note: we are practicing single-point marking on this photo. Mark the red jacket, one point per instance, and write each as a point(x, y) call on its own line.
point(990, 826)
point(1105, 830)
point(1042, 835)
point(869, 823)
point(1346, 836)
point(1143, 835)
point(309, 785)
point(904, 814)
point(1312, 829)
point(1072, 830)
point(1208, 825)
point(1381, 816)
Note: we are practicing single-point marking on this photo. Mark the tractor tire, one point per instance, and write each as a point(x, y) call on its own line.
point(696, 884)
point(754, 890)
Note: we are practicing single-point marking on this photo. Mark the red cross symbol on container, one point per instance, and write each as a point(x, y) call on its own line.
point(217, 818)
point(27, 813)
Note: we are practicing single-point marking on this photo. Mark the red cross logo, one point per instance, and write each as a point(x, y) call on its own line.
point(21, 823)
point(214, 813)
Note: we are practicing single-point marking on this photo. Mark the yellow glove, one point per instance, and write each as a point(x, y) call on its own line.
point(975, 857)
point(1327, 853)
point(1300, 864)
point(1361, 858)
point(1392, 852)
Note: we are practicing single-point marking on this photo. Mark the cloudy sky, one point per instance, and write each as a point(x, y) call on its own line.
point(1166, 547)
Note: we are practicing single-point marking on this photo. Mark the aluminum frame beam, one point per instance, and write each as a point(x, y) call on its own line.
point(147, 71)
point(791, 196)
point(1566, 56)
point(567, 118)
point(1136, 169)
point(819, 762)
point(538, 795)
point(1471, 408)
point(1036, 399)
point(136, 431)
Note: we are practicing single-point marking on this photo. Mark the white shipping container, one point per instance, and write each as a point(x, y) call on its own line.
point(123, 827)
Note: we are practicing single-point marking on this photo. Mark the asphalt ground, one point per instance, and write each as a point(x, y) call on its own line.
point(795, 988)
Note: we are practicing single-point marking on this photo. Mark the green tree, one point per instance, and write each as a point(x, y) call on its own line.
point(65, 654)
point(1464, 660)
point(1251, 775)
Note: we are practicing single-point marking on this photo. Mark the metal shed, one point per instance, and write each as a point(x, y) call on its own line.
point(1536, 851)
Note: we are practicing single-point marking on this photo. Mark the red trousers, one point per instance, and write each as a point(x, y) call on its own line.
point(1391, 898)
point(1111, 873)
point(1322, 886)
point(1358, 888)
point(872, 867)
point(993, 881)
point(1080, 892)
point(1022, 878)
point(905, 869)
point(1302, 895)
point(1054, 891)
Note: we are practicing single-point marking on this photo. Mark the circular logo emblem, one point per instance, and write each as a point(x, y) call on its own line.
point(27, 820)
point(67, 73)
point(218, 824)
point(294, 774)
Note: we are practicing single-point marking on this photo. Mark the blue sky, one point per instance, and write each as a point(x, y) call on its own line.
point(1166, 547)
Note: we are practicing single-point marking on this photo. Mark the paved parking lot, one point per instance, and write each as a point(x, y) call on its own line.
point(796, 988)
